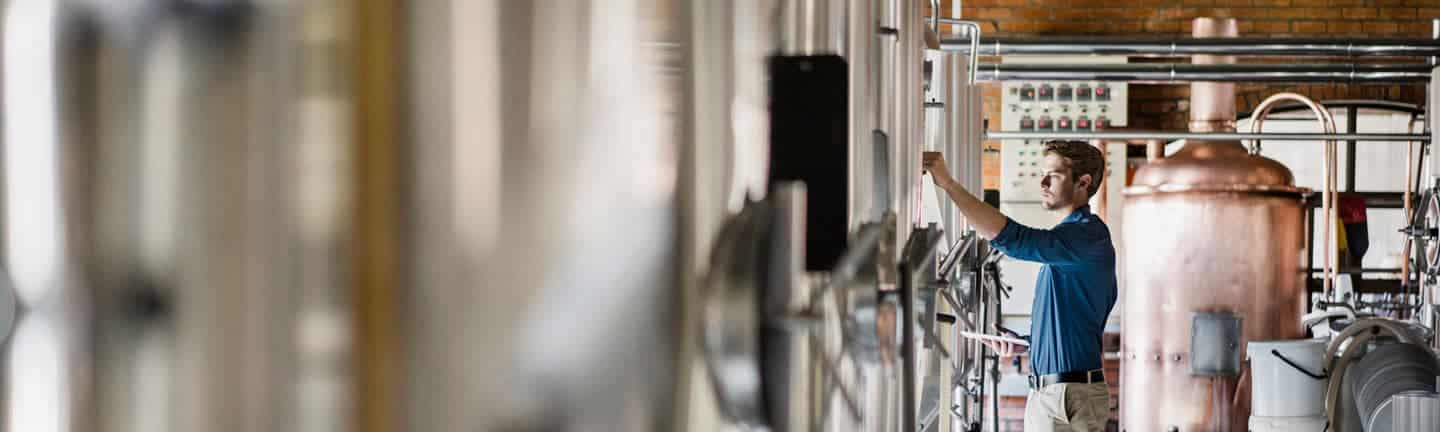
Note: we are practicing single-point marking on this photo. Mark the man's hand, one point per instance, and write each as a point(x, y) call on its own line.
point(934, 162)
point(1007, 332)
point(1005, 349)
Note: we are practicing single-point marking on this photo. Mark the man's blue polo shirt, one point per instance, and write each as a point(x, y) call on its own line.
point(1074, 292)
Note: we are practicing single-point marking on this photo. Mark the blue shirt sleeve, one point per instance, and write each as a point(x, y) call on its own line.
point(1066, 244)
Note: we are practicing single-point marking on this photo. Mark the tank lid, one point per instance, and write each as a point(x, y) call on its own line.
point(1214, 166)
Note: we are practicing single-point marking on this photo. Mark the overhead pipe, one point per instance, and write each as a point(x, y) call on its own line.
point(1184, 73)
point(1206, 136)
point(1150, 47)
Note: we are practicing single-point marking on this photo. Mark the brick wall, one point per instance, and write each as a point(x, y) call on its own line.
point(1162, 106)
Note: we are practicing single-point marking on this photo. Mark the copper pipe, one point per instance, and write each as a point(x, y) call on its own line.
point(1327, 122)
point(1212, 104)
point(1101, 207)
point(1409, 179)
point(376, 61)
point(1154, 149)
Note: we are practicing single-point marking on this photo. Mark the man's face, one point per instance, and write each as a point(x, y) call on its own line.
point(1058, 187)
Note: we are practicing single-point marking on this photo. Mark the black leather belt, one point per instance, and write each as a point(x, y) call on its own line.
point(1094, 376)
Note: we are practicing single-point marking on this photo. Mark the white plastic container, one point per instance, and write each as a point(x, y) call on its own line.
point(1282, 390)
point(1287, 424)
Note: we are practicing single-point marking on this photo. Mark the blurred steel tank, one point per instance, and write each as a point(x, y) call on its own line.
point(177, 192)
point(1212, 229)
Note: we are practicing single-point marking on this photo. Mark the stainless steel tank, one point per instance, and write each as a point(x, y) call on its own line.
point(178, 191)
point(1211, 229)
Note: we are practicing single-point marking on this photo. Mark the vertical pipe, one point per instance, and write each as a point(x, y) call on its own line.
point(812, 27)
point(1352, 121)
point(1212, 104)
point(47, 388)
point(915, 26)
point(862, 37)
point(1102, 204)
point(888, 55)
point(376, 58)
point(1154, 150)
point(791, 368)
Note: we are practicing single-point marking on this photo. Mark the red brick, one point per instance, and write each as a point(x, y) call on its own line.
point(1432, 12)
point(1173, 13)
point(1415, 28)
point(1162, 26)
point(1359, 13)
point(1017, 26)
point(1286, 13)
point(982, 3)
point(1124, 27)
point(1210, 12)
point(1322, 12)
point(1104, 13)
point(1070, 14)
point(1144, 13)
point(990, 13)
point(1271, 3)
point(1381, 28)
point(1033, 13)
point(1311, 2)
point(1397, 13)
point(1199, 2)
point(1344, 27)
point(1271, 27)
point(1232, 2)
point(1308, 26)
point(1089, 3)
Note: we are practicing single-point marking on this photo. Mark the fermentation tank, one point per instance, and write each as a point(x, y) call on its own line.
point(1211, 230)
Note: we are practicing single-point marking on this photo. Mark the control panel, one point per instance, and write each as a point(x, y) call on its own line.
point(1052, 106)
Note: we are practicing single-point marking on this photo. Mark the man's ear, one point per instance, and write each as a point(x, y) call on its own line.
point(1085, 181)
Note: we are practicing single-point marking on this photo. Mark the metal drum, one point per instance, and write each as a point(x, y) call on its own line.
point(1212, 229)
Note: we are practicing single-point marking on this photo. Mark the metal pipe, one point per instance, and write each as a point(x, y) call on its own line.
point(1150, 47)
point(861, 56)
point(1327, 123)
point(1179, 73)
point(1352, 116)
point(1205, 136)
point(1154, 150)
point(812, 27)
point(1409, 174)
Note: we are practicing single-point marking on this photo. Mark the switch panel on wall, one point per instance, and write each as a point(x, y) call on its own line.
point(1052, 106)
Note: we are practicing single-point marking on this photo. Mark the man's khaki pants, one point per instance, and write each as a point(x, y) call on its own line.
point(1068, 407)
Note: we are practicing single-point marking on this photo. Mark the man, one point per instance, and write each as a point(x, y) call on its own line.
point(1074, 291)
